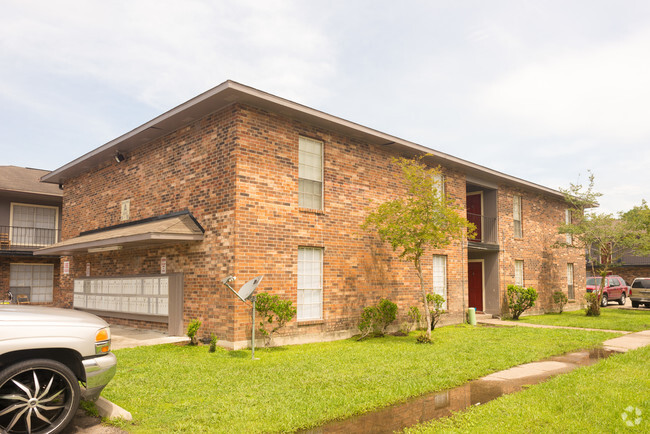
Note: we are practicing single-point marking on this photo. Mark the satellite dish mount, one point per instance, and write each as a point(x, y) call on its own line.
point(246, 294)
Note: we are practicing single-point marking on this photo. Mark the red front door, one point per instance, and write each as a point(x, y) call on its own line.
point(475, 285)
point(474, 211)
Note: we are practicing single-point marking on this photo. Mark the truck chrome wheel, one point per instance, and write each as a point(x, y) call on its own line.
point(37, 396)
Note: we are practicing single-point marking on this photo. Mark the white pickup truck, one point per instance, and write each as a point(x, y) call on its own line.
point(45, 354)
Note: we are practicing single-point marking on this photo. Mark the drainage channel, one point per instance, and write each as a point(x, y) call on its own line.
point(443, 404)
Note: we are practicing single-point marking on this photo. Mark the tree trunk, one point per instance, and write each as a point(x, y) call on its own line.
point(427, 313)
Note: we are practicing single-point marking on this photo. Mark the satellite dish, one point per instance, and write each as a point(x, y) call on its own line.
point(246, 293)
point(247, 289)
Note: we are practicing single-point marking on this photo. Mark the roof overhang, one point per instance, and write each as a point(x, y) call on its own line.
point(230, 92)
point(168, 229)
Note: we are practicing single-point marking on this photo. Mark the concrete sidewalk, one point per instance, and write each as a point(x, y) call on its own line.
point(128, 337)
point(562, 364)
point(498, 322)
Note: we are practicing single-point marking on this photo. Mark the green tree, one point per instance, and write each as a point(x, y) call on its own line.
point(638, 220)
point(425, 218)
point(603, 237)
point(275, 313)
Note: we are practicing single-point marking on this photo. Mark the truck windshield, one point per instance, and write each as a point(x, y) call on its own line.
point(641, 283)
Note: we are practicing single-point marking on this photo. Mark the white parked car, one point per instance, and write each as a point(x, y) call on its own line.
point(45, 354)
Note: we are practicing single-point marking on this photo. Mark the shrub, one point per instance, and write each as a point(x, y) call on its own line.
point(593, 307)
point(435, 302)
point(560, 299)
point(415, 316)
point(192, 329)
point(520, 299)
point(272, 309)
point(386, 314)
point(423, 339)
point(213, 343)
point(368, 320)
point(376, 319)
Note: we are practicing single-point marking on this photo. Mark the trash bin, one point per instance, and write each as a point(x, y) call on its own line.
point(471, 316)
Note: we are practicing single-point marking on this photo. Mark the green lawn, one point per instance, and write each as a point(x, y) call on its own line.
point(609, 319)
point(587, 400)
point(171, 388)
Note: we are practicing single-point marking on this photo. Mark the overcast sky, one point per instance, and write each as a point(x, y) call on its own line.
point(542, 90)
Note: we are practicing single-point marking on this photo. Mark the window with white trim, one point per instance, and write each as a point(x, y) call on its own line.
point(439, 184)
point(34, 280)
point(33, 225)
point(310, 173)
point(516, 216)
point(310, 283)
point(519, 273)
point(567, 220)
point(569, 282)
point(440, 277)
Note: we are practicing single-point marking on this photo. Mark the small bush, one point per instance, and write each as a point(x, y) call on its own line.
point(213, 343)
point(192, 329)
point(367, 322)
point(386, 314)
point(416, 317)
point(376, 319)
point(423, 339)
point(593, 307)
point(435, 302)
point(520, 299)
point(560, 300)
point(275, 313)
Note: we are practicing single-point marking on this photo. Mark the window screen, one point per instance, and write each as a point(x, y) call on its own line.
point(310, 283)
point(310, 173)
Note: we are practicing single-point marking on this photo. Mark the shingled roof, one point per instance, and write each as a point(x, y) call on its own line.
point(26, 180)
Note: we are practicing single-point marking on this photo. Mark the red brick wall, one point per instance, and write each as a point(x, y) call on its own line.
point(631, 272)
point(544, 265)
point(237, 172)
point(192, 168)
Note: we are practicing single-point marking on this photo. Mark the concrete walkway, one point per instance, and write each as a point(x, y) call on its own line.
point(621, 344)
point(498, 322)
point(128, 337)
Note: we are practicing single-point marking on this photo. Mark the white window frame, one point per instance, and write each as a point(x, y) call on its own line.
point(439, 180)
point(567, 220)
point(39, 296)
point(301, 169)
point(519, 273)
point(13, 236)
point(309, 287)
point(439, 277)
point(570, 281)
point(518, 230)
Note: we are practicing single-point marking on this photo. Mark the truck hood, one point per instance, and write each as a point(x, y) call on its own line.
point(14, 314)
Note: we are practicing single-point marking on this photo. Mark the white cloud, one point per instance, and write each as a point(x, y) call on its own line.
point(164, 52)
point(600, 93)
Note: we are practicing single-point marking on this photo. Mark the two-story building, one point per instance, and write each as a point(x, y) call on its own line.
point(240, 182)
point(30, 213)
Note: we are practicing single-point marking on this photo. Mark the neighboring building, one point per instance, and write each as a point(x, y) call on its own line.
point(30, 213)
point(629, 266)
point(240, 182)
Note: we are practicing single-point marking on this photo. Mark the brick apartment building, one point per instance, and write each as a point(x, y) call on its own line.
point(240, 182)
point(30, 213)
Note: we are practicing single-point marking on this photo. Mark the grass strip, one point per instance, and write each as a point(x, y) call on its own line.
point(187, 389)
point(609, 319)
point(601, 398)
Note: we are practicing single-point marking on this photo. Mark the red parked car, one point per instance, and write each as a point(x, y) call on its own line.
point(615, 289)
